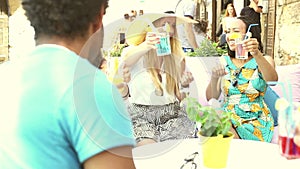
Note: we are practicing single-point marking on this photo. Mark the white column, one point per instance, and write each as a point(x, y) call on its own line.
point(238, 5)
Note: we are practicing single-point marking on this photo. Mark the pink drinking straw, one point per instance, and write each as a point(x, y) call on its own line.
point(246, 36)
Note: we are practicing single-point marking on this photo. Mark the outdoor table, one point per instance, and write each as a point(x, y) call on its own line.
point(243, 154)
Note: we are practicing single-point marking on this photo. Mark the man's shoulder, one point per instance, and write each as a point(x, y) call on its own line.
point(247, 10)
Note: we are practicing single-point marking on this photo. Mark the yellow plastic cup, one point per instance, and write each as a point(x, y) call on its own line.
point(215, 150)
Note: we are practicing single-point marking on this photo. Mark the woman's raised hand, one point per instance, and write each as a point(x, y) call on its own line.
point(252, 46)
point(151, 40)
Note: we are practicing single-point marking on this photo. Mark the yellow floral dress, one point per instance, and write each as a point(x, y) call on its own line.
point(244, 89)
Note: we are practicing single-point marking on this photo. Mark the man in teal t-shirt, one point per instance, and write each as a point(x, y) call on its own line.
point(57, 110)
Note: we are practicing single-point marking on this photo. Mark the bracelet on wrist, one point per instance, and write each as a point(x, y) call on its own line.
point(127, 94)
point(184, 90)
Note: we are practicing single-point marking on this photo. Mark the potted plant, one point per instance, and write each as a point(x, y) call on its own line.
point(214, 132)
point(114, 62)
point(208, 48)
point(204, 58)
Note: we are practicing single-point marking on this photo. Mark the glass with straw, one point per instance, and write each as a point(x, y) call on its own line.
point(288, 118)
point(163, 48)
point(240, 52)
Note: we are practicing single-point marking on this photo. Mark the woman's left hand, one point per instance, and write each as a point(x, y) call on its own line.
point(252, 46)
point(126, 73)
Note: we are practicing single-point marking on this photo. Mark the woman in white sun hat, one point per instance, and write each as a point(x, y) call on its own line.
point(156, 81)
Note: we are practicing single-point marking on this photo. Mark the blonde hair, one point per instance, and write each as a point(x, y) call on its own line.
point(171, 63)
point(171, 66)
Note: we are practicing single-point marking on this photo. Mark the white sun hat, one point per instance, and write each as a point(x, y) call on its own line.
point(142, 24)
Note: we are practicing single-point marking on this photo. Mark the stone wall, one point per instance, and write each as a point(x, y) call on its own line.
point(21, 35)
point(287, 34)
point(3, 37)
point(14, 5)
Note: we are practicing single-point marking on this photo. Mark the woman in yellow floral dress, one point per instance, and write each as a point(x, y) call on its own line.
point(243, 83)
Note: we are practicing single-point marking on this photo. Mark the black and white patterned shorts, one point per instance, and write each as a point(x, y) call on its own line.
point(160, 122)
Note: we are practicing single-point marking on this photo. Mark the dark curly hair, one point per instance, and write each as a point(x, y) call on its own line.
point(62, 18)
point(254, 31)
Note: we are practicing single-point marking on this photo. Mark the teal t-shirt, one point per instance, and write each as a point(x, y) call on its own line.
point(57, 110)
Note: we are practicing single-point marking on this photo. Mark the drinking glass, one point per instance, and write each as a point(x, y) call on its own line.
point(163, 47)
point(287, 122)
point(114, 70)
point(240, 53)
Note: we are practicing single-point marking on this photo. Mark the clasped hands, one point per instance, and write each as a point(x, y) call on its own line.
point(186, 79)
point(218, 71)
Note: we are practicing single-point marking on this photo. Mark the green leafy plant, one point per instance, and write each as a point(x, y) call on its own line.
point(208, 48)
point(213, 121)
point(117, 50)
